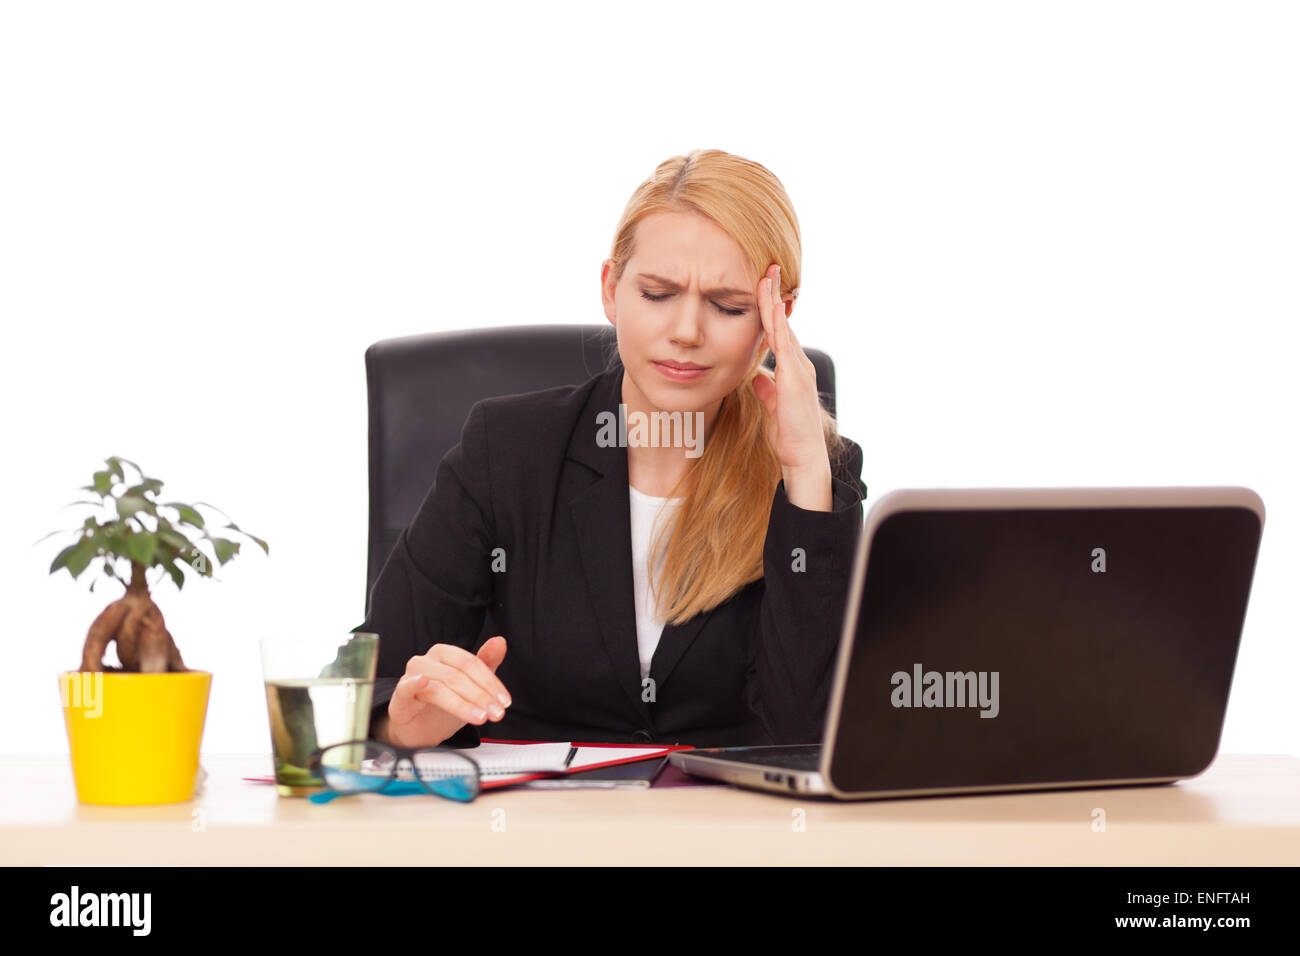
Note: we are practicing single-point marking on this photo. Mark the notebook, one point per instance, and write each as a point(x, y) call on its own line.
point(637, 775)
point(507, 762)
point(496, 760)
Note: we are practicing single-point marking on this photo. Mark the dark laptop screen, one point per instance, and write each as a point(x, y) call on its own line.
point(1044, 645)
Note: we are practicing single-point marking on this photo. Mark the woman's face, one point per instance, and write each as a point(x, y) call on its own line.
point(686, 297)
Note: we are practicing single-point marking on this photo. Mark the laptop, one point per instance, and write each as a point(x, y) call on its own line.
point(1024, 639)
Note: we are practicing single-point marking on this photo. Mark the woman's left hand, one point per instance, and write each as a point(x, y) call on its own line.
point(793, 408)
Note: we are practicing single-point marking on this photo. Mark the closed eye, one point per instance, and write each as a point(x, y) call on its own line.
point(660, 298)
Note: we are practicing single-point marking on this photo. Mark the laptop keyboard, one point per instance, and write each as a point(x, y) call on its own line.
point(796, 757)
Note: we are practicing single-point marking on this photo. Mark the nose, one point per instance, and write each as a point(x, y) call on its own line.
point(688, 325)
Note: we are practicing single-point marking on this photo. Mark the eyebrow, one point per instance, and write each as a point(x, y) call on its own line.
point(673, 285)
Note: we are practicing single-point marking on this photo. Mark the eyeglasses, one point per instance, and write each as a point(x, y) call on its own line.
point(372, 766)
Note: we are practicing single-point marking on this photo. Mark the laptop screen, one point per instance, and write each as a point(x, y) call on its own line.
point(1043, 645)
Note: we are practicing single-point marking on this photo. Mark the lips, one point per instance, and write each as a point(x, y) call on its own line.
point(675, 372)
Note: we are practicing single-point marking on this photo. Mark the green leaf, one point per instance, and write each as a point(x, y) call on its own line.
point(214, 508)
point(84, 501)
point(148, 485)
point(175, 572)
point(175, 539)
point(200, 562)
point(224, 548)
point(62, 557)
point(102, 483)
point(51, 535)
point(128, 505)
point(187, 514)
point(142, 547)
point(236, 527)
point(113, 540)
point(116, 464)
point(81, 557)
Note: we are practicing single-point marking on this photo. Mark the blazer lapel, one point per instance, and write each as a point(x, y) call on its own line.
point(673, 643)
point(601, 517)
point(603, 526)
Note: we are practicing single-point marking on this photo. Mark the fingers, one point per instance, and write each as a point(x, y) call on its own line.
point(778, 315)
point(404, 704)
point(474, 669)
point(418, 692)
point(469, 677)
point(780, 336)
point(767, 313)
point(455, 680)
point(795, 349)
point(493, 652)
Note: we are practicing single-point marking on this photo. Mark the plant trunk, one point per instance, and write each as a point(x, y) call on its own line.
point(143, 643)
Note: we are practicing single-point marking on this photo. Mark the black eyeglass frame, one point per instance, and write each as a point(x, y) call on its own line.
point(407, 754)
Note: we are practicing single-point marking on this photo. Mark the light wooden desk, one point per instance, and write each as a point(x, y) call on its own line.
point(1244, 810)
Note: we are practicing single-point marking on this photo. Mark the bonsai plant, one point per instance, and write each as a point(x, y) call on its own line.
point(134, 621)
point(135, 730)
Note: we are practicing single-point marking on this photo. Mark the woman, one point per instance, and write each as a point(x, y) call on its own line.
point(750, 509)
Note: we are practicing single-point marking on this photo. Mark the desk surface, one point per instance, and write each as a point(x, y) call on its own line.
point(1243, 810)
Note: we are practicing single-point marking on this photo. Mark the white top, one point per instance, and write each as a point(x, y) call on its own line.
point(645, 510)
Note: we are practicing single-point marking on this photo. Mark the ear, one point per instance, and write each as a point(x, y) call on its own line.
point(607, 291)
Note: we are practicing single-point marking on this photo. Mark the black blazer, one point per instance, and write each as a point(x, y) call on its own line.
point(529, 477)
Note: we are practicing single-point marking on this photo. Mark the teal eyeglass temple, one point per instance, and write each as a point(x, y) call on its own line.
point(452, 789)
point(461, 784)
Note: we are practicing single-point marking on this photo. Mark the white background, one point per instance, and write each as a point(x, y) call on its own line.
point(1046, 244)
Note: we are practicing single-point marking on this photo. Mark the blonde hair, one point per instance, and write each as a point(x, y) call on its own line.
point(716, 538)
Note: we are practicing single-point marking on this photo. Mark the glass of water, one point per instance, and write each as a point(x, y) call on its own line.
point(318, 693)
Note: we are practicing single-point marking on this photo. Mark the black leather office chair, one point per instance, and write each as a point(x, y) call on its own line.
point(421, 388)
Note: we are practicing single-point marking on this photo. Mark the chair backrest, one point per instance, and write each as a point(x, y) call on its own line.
point(421, 388)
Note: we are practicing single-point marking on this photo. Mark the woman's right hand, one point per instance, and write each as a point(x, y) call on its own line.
point(444, 689)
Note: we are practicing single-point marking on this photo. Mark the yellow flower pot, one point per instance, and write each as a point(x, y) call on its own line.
point(134, 737)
